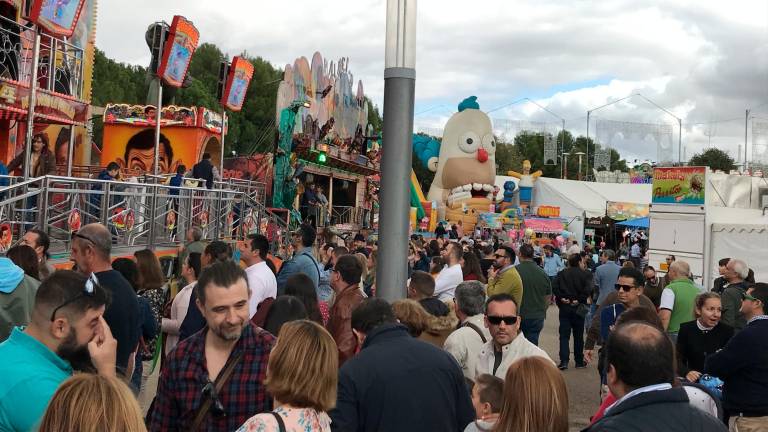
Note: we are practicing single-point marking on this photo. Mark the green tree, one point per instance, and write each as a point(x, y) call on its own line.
point(714, 158)
point(507, 158)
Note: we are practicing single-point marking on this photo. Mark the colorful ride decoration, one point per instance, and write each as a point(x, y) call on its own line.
point(508, 199)
point(527, 179)
point(58, 17)
point(240, 74)
point(186, 133)
point(177, 51)
point(464, 164)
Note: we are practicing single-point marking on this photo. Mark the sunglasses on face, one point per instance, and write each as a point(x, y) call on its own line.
point(496, 320)
point(499, 256)
point(750, 298)
point(90, 285)
point(625, 288)
point(209, 391)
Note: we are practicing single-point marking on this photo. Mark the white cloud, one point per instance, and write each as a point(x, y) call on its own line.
point(702, 60)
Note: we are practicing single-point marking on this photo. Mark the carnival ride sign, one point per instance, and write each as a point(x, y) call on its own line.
point(621, 211)
point(240, 74)
point(679, 185)
point(177, 51)
point(57, 16)
point(548, 211)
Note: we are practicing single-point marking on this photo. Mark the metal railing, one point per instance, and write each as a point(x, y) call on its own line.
point(137, 214)
point(60, 64)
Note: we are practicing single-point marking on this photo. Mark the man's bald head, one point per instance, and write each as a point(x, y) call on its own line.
point(680, 270)
point(96, 236)
point(640, 355)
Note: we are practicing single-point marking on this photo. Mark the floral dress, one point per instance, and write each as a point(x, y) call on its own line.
point(156, 299)
point(295, 419)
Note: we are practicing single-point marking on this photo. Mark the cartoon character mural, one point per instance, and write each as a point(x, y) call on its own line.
point(464, 164)
point(527, 178)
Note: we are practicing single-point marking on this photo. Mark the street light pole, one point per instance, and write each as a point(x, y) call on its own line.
point(746, 126)
point(399, 91)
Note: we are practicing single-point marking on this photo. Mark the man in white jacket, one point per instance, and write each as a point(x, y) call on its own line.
point(465, 343)
point(507, 345)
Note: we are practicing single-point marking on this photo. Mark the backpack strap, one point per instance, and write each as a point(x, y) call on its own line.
point(280, 422)
point(477, 329)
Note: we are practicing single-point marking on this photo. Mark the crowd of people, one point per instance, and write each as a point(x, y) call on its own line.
point(252, 337)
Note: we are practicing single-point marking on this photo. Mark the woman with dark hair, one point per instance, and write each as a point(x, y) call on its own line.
point(152, 287)
point(26, 258)
point(470, 267)
point(147, 324)
point(300, 286)
point(284, 309)
point(42, 161)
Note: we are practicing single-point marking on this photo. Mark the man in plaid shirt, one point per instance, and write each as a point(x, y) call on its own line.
point(191, 372)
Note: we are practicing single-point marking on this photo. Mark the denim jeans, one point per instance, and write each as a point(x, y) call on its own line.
point(570, 322)
point(531, 329)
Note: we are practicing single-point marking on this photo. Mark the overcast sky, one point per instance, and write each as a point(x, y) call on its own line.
point(706, 61)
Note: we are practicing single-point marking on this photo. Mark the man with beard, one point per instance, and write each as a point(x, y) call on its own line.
point(503, 278)
point(91, 249)
point(67, 332)
point(214, 379)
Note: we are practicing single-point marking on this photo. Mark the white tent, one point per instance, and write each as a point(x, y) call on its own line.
point(738, 233)
point(579, 200)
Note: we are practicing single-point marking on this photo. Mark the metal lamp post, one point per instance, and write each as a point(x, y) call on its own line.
point(580, 154)
point(399, 90)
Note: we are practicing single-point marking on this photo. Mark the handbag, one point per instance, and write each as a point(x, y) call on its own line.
point(221, 380)
point(582, 309)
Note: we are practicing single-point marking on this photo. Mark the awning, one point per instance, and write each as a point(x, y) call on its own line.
point(544, 225)
point(635, 223)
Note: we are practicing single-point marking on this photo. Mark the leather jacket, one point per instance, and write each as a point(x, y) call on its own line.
point(340, 322)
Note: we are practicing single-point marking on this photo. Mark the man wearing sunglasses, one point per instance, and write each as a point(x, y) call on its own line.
point(67, 332)
point(503, 278)
point(506, 344)
point(743, 365)
point(91, 249)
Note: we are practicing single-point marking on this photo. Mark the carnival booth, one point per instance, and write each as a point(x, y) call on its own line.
point(579, 201)
point(701, 217)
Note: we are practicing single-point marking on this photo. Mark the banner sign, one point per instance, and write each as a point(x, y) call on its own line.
point(57, 16)
point(240, 74)
point(548, 211)
point(622, 211)
point(50, 107)
point(177, 51)
point(679, 185)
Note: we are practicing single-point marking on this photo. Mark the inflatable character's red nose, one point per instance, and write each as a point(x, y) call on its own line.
point(482, 155)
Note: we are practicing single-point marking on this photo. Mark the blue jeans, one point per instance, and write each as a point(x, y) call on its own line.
point(531, 329)
point(571, 322)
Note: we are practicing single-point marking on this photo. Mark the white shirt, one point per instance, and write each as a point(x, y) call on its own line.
point(574, 249)
point(178, 313)
point(263, 284)
point(447, 280)
point(667, 299)
point(519, 347)
point(635, 392)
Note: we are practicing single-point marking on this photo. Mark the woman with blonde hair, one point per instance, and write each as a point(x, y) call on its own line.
point(302, 376)
point(91, 403)
point(412, 315)
point(544, 405)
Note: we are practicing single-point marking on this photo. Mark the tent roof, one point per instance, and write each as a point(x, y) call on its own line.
point(642, 222)
point(590, 196)
point(730, 219)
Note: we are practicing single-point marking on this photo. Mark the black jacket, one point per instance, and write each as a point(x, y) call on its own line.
point(204, 170)
point(743, 367)
point(398, 383)
point(656, 411)
point(694, 345)
point(572, 283)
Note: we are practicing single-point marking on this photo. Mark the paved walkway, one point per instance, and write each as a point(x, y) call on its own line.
point(583, 384)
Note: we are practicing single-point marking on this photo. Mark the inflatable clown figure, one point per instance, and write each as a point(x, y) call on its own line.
point(464, 166)
point(527, 178)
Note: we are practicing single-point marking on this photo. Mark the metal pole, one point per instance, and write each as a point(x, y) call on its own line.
point(158, 112)
point(746, 127)
point(589, 113)
point(31, 107)
point(392, 273)
point(679, 139)
point(70, 150)
point(223, 123)
point(562, 147)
